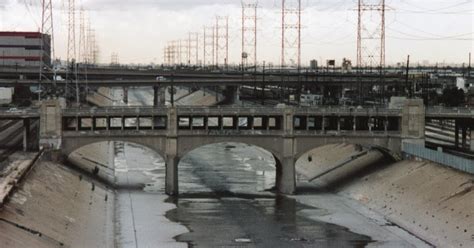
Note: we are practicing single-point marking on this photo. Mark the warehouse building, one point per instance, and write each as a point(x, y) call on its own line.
point(24, 49)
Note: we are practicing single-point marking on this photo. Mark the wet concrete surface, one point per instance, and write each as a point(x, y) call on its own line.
point(224, 202)
point(258, 222)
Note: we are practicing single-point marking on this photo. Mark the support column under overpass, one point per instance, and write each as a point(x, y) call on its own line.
point(472, 139)
point(26, 135)
point(125, 95)
point(159, 96)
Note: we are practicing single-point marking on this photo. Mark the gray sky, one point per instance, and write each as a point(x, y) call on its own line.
point(434, 30)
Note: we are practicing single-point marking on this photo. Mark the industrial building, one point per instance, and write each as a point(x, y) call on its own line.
point(24, 49)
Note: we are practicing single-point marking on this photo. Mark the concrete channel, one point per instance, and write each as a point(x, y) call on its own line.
point(111, 194)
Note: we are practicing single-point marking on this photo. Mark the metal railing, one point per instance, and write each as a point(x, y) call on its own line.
point(261, 110)
point(458, 163)
point(450, 111)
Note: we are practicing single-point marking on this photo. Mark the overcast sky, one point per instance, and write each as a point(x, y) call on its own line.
point(138, 30)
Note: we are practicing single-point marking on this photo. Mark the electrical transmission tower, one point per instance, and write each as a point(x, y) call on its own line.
point(249, 32)
point(92, 46)
point(47, 42)
point(71, 48)
point(371, 33)
point(193, 48)
point(209, 48)
point(114, 59)
point(291, 33)
point(222, 40)
point(82, 58)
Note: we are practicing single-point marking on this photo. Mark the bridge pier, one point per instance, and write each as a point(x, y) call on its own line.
point(159, 96)
point(286, 180)
point(464, 137)
point(171, 154)
point(472, 139)
point(172, 187)
point(125, 95)
point(26, 135)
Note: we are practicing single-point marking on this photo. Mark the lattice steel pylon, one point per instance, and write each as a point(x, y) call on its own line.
point(47, 43)
point(222, 40)
point(82, 58)
point(209, 48)
point(193, 48)
point(291, 33)
point(71, 49)
point(371, 33)
point(249, 32)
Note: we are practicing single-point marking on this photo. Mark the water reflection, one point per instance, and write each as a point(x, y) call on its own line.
point(256, 222)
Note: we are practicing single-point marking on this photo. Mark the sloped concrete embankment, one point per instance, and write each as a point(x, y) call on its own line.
point(58, 207)
point(431, 201)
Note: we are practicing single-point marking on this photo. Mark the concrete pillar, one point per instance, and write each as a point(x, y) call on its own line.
point(172, 187)
point(287, 179)
point(413, 122)
point(26, 135)
point(171, 156)
point(159, 94)
point(464, 137)
point(472, 139)
point(125, 95)
point(338, 125)
point(50, 125)
point(233, 95)
point(456, 134)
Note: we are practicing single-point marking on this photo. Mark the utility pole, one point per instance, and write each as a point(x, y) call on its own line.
point(469, 68)
point(407, 85)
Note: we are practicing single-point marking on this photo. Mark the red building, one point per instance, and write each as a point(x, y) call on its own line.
point(24, 49)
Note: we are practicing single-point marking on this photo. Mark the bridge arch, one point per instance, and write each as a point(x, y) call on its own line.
point(189, 144)
point(99, 159)
point(72, 144)
point(235, 145)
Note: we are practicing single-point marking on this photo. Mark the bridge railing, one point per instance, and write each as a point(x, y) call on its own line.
point(450, 111)
point(190, 110)
point(19, 111)
point(458, 163)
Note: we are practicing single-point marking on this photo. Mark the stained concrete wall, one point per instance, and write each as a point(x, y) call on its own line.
point(431, 201)
point(325, 158)
point(57, 207)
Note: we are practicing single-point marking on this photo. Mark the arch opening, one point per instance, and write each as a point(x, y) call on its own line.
point(122, 164)
point(228, 167)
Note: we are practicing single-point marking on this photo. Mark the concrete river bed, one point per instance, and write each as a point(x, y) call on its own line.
point(224, 202)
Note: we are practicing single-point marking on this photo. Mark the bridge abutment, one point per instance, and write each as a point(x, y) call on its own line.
point(51, 125)
point(413, 122)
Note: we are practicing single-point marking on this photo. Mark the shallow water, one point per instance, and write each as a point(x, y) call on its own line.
point(224, 202)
